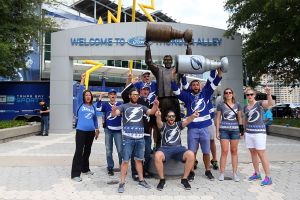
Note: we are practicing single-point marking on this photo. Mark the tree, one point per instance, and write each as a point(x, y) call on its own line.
point(272, 44)
point(21, 22)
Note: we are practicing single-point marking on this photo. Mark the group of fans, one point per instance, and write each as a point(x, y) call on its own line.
point(152, 108)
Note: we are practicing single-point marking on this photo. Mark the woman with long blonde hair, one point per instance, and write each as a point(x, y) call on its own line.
point(229, 129)
point(255, 135)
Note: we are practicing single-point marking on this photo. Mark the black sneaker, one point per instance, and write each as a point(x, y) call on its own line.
point(214, 164)
point(185, 184)
point(191, 176)
point(148, 175)
point(209, 175)
point(161, 184)
point(135, 177)
point(195, 164)
point(110, 172)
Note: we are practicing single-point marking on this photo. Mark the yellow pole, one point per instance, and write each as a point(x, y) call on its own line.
point(89, 71)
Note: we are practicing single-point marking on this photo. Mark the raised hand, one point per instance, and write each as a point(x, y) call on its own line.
point(268, 90)
point(135, 80)
point(158, 113)
point(156, 102)
point(82, 79)
point(100, 97)
point(196, 114)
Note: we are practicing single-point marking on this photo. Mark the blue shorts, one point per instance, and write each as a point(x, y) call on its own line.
point(229, 134)
point(198, 136)
point(135, 147)
point(173, 152)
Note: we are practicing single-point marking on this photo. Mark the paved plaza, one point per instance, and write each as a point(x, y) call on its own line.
point(39, 168)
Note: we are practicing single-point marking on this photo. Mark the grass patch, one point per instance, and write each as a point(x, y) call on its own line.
point(284, 121)
point(12, 123)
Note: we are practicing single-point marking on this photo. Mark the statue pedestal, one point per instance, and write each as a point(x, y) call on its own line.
point(171, 168)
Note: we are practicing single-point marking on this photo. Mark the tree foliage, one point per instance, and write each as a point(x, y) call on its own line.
point(21, 21)
point(272, 42)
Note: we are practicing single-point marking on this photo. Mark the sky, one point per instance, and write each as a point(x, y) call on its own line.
point(201, 12)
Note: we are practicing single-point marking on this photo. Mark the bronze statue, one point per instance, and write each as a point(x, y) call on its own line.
point(163, 33)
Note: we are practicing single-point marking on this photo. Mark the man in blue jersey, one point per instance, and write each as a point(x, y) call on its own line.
point(146, 82)
point(133, 142)
point(196, 100)
point(112, 128)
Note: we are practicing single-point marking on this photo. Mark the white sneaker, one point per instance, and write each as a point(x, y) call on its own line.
point(77, 179)
point(221, 177)
point(89, 173)
point(236, 178)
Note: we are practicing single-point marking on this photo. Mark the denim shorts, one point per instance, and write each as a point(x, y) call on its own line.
point(198, 136)
point(135, 147)
point(173, 152)
point(229, 134)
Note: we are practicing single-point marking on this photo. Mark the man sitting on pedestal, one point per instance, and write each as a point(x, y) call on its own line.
point(171, 147)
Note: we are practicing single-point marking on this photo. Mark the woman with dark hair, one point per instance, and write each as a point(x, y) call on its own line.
point(229, 129)
point(86, 131)
point(255, 135)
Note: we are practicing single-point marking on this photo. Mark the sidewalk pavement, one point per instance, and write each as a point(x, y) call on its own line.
point(39, 168)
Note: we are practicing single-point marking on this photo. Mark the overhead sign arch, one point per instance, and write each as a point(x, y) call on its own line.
point(124, 41)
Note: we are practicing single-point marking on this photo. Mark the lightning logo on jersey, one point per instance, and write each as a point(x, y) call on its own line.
point(134, 114)
point(109, 117)
point(172, 136)
point(198, 104)
point(88, 115)
point(253, 115)
point(230, 115)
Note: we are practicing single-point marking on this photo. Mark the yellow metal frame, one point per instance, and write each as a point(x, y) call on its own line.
point(89, 71)
point(144, 6)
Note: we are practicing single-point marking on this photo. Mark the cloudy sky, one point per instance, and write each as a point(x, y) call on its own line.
point(202, 12)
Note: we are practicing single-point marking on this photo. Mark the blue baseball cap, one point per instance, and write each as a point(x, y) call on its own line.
point(112, 91)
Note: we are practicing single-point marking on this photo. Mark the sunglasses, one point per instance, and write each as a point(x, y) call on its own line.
point(146, 76)
point(134, 94)
point(171, 116)
point(227, 92)
point(249, 94)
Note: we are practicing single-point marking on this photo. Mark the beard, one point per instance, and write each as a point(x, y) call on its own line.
point(168, 66)
point(133, 101)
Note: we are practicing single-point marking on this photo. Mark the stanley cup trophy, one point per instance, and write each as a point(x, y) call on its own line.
point(164, 33)
point(197, 64)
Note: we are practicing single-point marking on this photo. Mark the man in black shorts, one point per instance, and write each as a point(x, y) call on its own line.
point(171, 147)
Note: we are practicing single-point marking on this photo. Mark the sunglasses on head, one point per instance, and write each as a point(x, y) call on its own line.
point(251, 94)
point(227, 92)
point(171, 116)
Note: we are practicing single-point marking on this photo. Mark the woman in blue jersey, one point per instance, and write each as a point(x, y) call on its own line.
point(86, 131)
point(255, 135)
point(228, 130)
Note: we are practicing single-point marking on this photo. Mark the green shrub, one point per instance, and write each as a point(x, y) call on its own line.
point(285, 121)
point(12, 123)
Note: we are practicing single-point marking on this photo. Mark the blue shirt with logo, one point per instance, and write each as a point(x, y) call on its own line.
point(228, 117)
point(153, 89)
point(254, 117)
point(198, 102)
point(112, 123)
point(87, 118)
point(132, 118)
point(171, 134)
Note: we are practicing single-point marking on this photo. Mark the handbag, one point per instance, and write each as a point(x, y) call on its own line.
point(241, 127)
